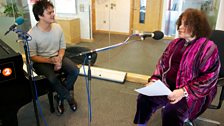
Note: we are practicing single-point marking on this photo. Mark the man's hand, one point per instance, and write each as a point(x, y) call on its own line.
point(57, 61)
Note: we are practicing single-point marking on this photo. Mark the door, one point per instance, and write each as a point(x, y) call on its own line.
point(112, 16)
point(147, 15)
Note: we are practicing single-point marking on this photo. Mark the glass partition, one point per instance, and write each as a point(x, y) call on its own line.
point(103, 23)
point(139, 56)
point(173, 9)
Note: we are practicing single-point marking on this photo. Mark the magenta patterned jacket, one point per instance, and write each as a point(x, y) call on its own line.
point(198, 72)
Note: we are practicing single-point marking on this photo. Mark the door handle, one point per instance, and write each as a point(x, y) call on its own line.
point(112, 5)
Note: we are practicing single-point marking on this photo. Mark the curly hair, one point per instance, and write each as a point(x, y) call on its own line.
point(39, 7)
point(196, 21)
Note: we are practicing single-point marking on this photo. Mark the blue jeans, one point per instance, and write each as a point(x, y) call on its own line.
point(68, 67)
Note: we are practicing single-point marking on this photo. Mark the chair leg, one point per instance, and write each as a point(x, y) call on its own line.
point(188, 123)
point(51, 101)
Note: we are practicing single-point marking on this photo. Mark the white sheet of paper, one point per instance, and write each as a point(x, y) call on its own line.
point(158, 88)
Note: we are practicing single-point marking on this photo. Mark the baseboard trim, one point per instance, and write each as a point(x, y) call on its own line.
point(101, 73)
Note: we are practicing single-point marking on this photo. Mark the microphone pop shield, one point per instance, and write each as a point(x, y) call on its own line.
point(158, 35)
point(19, 20)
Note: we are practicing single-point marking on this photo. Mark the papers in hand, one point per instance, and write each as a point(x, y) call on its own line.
point(158, 88)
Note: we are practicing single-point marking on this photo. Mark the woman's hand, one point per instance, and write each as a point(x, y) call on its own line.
point(176, 96)
point(150, 82)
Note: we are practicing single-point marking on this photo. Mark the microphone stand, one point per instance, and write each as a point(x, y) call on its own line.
point(88, 87)
point(88, 54)
point(25, 38)
point(105, 48)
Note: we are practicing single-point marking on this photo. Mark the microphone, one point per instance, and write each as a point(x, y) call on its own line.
point(18, 21)
point(157, 35)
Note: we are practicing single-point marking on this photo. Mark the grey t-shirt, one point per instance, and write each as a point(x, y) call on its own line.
point(46, 44)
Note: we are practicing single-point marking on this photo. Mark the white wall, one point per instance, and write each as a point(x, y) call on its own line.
point(220, 18)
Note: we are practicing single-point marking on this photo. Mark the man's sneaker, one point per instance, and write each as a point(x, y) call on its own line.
point(59, 105)
point(73, 105)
